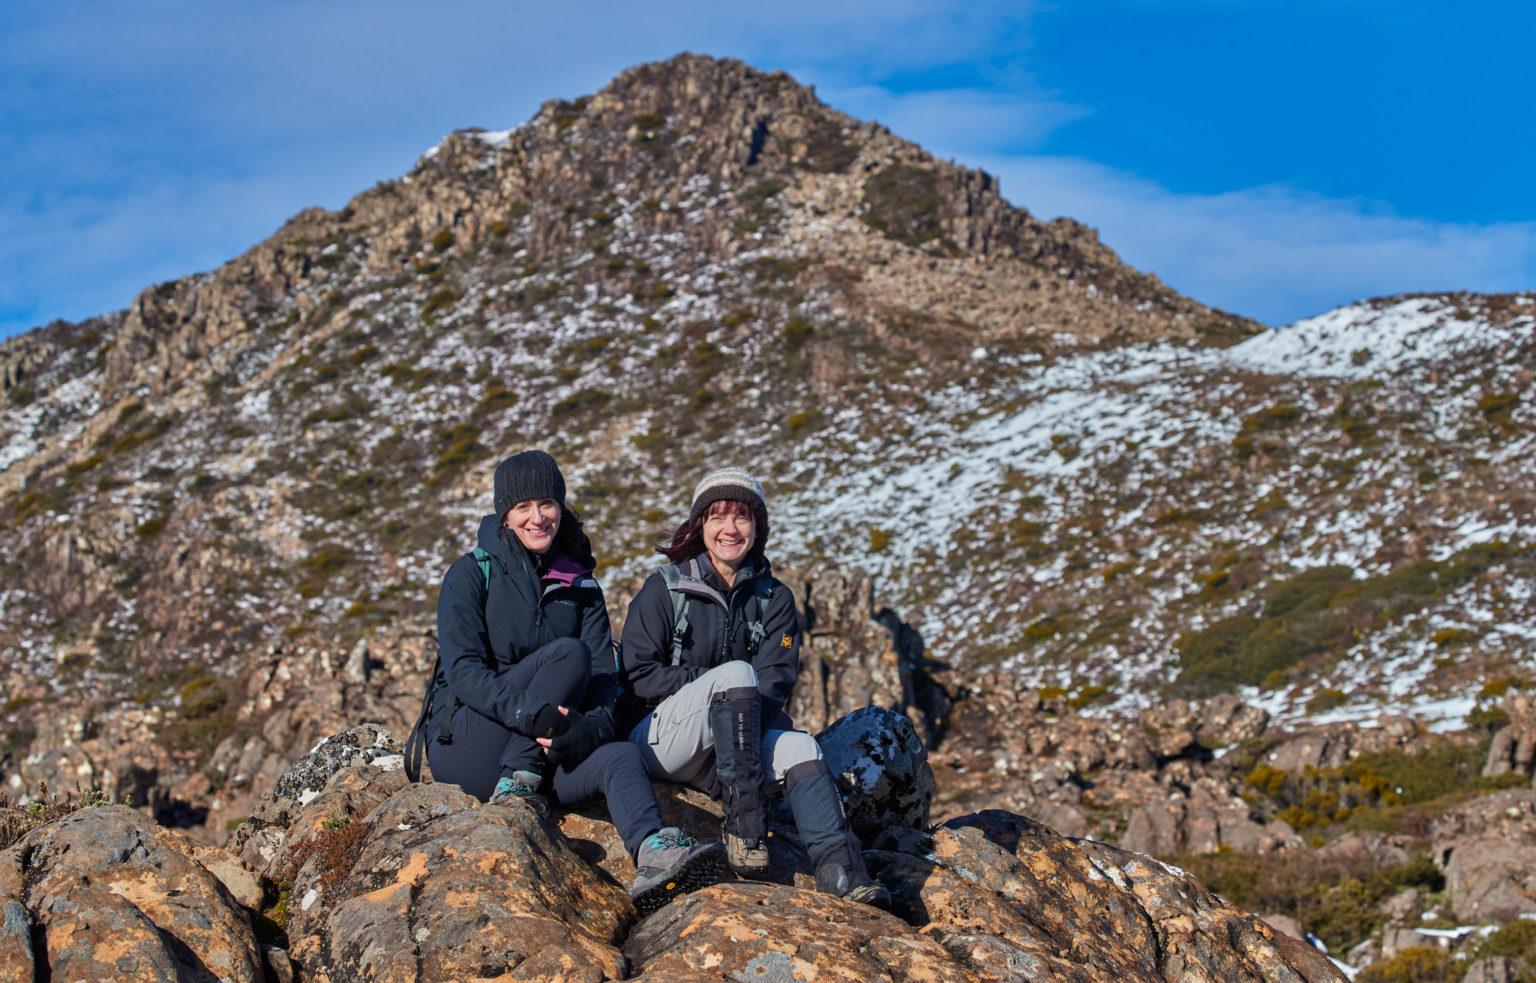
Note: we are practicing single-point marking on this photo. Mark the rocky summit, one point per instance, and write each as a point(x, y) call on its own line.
point(1255, 602)
point(348, 872)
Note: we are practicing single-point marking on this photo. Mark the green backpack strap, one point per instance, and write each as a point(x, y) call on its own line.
point(671, 574)
point(484, 559)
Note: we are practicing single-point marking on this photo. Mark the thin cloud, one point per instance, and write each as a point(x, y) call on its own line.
point(1273, 253)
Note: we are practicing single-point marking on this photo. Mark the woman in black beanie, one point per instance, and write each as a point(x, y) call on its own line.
point(524, 688)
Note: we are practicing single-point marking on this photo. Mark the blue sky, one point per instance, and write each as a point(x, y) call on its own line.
point(1275, 159)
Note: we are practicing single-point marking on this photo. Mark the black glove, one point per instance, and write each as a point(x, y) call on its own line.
point(548, 722)
point(587, 733)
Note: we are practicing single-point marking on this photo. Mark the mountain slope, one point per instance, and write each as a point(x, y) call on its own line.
point(1053, 463)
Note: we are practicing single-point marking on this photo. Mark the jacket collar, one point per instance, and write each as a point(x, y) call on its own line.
point(562, 570)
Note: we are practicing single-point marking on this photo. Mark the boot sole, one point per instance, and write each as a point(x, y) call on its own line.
point(702, 870)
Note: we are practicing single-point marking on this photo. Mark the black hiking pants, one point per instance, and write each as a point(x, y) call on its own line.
point(480, 750)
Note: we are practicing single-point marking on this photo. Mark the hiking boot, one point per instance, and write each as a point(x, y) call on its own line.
point(854, 885)
point(521, 785)
point(670, 864)
point(747, 857)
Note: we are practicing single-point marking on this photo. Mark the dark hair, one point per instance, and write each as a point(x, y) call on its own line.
point(688, 538)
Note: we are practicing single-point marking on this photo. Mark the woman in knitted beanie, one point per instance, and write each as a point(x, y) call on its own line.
point(711, 652)
point(524, 688)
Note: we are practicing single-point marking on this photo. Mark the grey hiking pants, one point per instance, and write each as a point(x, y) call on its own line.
point(677, 744)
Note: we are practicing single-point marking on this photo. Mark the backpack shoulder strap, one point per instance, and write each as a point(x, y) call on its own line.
point(671, 574)
point(484, 559)
point(762, 592)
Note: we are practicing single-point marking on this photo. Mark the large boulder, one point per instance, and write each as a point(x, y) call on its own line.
point(431, 885)
point(754, 931)
point(1202, 820)
point(1487, 848)
point(106, 894)
point(1012, 900)
point(1513, 747)
point(881, 768)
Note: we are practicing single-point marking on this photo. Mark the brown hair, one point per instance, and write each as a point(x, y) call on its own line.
point(688, 538)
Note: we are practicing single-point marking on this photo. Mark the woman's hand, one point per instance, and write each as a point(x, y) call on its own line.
point(587, 733)
point(547, 723)
point(545, 742)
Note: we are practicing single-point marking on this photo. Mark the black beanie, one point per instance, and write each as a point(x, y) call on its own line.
point(733, 485)
point(526, 476)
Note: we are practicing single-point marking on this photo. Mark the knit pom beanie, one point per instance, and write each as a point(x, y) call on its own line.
point(733, 485)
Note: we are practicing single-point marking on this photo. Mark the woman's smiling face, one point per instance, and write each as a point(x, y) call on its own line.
point(535, 523)
point(728, 533)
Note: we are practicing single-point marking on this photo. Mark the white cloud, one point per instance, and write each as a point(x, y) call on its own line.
point(971, 118)
point(1273, 253)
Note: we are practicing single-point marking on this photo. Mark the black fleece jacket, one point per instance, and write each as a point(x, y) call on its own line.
point(480, 634)
point(718, 632)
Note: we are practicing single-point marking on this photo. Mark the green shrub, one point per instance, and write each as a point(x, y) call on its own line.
point(463, 447)
point(143, 431)
point(151, 527)
point(1048, 626)
point(1325, 700)
point(803, 420)
point(827, 150)
point(582, 399)
point(443, 240)
point(797, 331)
point(437, 300)
point(1497, 407)
point(902, 202)
point(1512, 940)
point(1415, 964)
point(1495, 688)
point(1314, 613)
point(879, 540)
point(1338, 899)
point(497, 397)
point(1088, 695)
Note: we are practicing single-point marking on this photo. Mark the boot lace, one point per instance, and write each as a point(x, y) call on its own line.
point(669, 839)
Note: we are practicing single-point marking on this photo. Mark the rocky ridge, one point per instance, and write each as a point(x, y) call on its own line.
point(348, 872)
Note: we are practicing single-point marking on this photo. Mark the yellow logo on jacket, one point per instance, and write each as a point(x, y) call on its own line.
point(784, 641)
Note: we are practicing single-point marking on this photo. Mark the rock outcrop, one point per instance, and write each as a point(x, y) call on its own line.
point(106, 894)
point(361, 876)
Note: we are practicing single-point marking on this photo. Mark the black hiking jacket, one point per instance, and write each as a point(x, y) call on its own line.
point(718, 632)
point(481, 632)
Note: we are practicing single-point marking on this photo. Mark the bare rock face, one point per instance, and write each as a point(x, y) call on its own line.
point(106, 894)
point(442, 888)
point(754, 931)
point(1485, 848)
point(1210, 816)
point(1182, 729)
point(305, 795)
point(389, 881)
point(1514, 747)
point(882, 770)
point(1014, 901)
point(1499, 969)
point(847, 659)
point(1332, 746)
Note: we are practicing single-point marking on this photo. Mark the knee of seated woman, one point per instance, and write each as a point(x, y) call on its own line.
point(733, 675)
point(570, 648)
point(790, 748)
